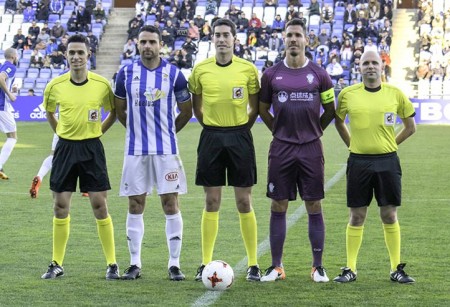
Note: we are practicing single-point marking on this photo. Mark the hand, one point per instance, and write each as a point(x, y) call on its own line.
point(12, 97)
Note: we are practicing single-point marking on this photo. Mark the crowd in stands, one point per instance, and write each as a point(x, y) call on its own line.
point(338, 31)
point(39, 30)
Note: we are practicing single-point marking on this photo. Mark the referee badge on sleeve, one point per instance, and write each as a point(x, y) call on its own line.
point(389, 119)
point(238, 92)
point(93, 115)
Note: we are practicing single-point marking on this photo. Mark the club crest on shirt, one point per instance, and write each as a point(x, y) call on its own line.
point(93, 115)
point(282, 96)
point(238, 92)
point(165, 76)
point(389, 119)
point(310, 78)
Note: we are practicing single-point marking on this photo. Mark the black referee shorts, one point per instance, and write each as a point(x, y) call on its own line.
point(83, 159)
point(369, 174)
point(226, 155)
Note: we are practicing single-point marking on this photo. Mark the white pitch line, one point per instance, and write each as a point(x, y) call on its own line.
point(210, 297)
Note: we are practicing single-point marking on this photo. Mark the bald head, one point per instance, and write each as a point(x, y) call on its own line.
point(10, 54)
point(371, 55)
point(371, 68)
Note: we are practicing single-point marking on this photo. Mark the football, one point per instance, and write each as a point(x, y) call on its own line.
point(218, 275)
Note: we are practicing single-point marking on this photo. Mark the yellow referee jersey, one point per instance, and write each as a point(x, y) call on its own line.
point(79, 105)
point(225, 90)
point(372, 117)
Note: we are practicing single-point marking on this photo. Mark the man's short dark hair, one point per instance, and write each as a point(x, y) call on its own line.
point(78, 38)
point(224, 22)
point(151, 29)
point(296, 22)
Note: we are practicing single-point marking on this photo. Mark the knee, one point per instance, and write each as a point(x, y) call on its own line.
point(357, 218)
point(169, 204)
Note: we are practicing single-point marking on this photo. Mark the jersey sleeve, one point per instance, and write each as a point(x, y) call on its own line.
point(49, 100)
point(194, 84)
point(405, 106)
point(253, 84)
point(9, 69)
point(120, 90)
point(108, 99)
point(341, 109)
point(181, 88)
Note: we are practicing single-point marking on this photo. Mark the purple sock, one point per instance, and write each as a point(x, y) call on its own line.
point(316, 232)
point(277, 236)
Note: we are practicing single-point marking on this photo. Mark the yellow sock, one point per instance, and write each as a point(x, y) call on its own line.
point(209, 228)
point(105, 230)
point(354, 236)
point(393, 240)
point(61, 231)
point(249, 231)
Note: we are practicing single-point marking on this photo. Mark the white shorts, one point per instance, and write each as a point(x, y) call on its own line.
point(7, 122)
point(141, 173)
point(55, 141)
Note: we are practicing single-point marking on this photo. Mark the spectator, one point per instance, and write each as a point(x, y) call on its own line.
point(161, 14)
point(199, 21)
point(355, 70)
point(99, 14)
point(93, 47)
point(385, 35)
point(319, 62)
point(133, 31)
point(182, 59)
point(242, 23)
point(359, 31)
point(51, 46)
point(271, 3)
point(255, 22)
point(205, 33)
point(19, 41)
point(370, 46)
point(383, 46)
point(84, 19)
point(211, 7)
point(30, 42)
point(292, 12)
point(278, 24)
point(10, 6)
point(42, 40)
point(168, 39)
point(263, 43)
point(362, 17)
point(57, 60)
point(238, 48)
point(62, 47)
point(190, 46)
point(358, 45)
point(173, 17)
point(36, 59)
point(45, 28)
point(137, 19)
point(334, 69)
point(72, 23)
point(129, 50)
point(374, 10)
point(340, 84)
point(386, 13)
point(252, 41)
point(312, 41)
point(347, 51)
point(90, 6)
point(56, 7)
point(234, 13)
point(170, 28)
point(386, 72)
point(323, 56)
point(29, 14)
point(327, 13)
point(372, 31)
point(57, 30)
point(22, 5)
point(349, 15)
point(42, 12)
point(301, 17)
point(323, 37)
point(275, 43)
point(30, 92)
point(193, 31)
point(314, 8)
point(334, 46)
point(263, 27)
point(47, 62)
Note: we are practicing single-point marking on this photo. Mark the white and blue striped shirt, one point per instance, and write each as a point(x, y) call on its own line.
point(9, 69)
point(152, 97)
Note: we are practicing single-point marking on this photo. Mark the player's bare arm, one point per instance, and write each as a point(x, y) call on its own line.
point(109, 121)
point(327, 115)
point(253, 109)
point(121, 110)
point(342, 129)
point(197, 102)
point(409, 128)
point(184, 116)
point(51, 118)
point(266, 116)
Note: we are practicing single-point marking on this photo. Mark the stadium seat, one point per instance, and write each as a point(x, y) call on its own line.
point(45, 73)
point(18, 18)
point(41, 83)
point(21, 72)
point(23, 62)
point(28, 83)
point(33, 73)
point(52, 18)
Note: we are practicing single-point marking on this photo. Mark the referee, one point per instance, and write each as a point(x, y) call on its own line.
point(79, 96)
point(373, 166)
point(225, 101)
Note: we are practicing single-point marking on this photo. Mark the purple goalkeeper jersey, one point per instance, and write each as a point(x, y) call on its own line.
point(295, 95)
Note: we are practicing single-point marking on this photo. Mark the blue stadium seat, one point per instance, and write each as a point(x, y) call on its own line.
point(26, 54)
point(45, 73)
point(33, 73)
point(24, 62)
point(28, 83)
point(21, 72)
point(52, 18)
point(41, 83)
